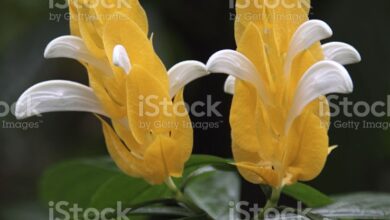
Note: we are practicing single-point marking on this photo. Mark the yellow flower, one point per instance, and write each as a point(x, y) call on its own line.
point(149, 132)
point(279, 116)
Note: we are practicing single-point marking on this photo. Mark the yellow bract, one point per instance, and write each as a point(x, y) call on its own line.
point(146, 138)
point(263, 152)
point(88, 18)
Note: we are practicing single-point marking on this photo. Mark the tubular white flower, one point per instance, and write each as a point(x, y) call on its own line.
point(121, 59)
point(236, 64)
point(304, 37)
point(229, 86)
point(55, 96)
point(322, 78)
point(341, 52)
point(74, 48)
point(183, 73)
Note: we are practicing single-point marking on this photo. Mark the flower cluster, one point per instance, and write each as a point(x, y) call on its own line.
point(279, 74)
point(122, 66)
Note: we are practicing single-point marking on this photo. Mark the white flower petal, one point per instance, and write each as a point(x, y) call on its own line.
point(74, 48)
point(341, 52)
point(183, 73)
point(121, 58)
point(57, 95)
point(304, 37)
point(236, 64)
point(230, 85)
point(322, 78)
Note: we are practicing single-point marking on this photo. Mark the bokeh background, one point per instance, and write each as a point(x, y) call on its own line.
point(190, 29)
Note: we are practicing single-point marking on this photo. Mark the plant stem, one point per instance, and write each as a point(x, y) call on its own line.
point(171, 185)
point(180, 197)
point(272, 202)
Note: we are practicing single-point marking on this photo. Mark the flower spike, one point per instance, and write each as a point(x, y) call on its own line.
point(284, 140)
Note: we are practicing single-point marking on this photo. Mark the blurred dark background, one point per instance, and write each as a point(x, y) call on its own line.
point(191, 29)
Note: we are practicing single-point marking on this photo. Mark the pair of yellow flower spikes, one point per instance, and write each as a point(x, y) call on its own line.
point(279, 74)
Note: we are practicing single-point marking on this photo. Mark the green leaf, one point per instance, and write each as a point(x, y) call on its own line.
point(195, 174)
point(197, 161)
point(307, 194)
point(215, 192)
point(130, 191)
point(199, 165)
point(358, 206)
point(198, 217)
point(160, 211)
point(290, 213)
point(98, 184)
